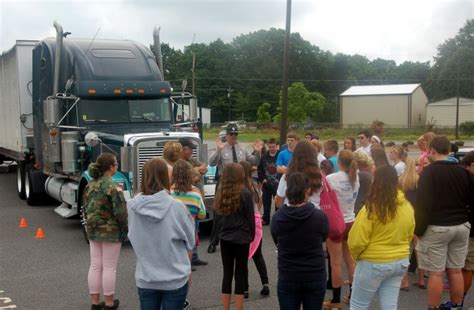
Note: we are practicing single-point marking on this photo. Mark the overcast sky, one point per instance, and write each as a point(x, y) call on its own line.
point(398, 29)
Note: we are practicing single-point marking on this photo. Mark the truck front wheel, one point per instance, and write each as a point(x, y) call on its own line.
point(20, 180)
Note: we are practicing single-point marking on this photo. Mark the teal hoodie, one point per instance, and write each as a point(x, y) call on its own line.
point(161, 231)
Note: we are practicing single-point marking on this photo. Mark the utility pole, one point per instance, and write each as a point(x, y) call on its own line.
point(457, 108)
point(193, 71)
point(229, 90)
point(284, 91)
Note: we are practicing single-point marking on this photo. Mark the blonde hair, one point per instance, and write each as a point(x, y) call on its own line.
point(409, 179)
point(401, 152)
point(364, 161)
point(172, 151)
point(317, 145)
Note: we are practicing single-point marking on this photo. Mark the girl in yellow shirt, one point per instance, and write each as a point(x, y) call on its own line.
point(380, 242)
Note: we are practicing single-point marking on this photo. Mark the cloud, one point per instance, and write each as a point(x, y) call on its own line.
point(402, 30)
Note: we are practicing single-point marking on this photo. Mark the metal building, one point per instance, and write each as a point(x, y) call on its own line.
point(443, 113)
point(397, 106)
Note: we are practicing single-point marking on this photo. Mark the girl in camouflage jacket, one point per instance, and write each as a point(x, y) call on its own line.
point(106, 226)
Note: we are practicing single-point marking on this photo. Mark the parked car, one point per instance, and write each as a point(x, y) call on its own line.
point(242, 125)
point(461, 152)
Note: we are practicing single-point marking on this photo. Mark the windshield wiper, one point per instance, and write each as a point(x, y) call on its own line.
point(143, 117)
point(96, 121)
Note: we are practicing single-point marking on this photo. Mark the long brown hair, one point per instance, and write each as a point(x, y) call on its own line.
point(248, 182)
point(154, 177)
point(182, 177)
point(348, 165)
point(304, 160)
point(382, 201)
point(227, 199)
point(101, 165)
point(378, 155)
point(409, 179)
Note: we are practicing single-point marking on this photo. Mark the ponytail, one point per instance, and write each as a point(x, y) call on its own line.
point(349, 165)
point(101, 165)
point(353, 173)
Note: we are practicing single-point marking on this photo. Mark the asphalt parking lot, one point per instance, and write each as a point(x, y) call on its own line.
point(51, 273)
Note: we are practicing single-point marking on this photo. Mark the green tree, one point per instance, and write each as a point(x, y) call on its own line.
point(454, 60)
point(302, 104)
point(263, 114)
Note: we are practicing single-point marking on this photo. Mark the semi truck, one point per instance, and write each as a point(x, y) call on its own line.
point(64, 101)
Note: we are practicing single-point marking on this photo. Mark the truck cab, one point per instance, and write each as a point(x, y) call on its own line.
point(92, 96)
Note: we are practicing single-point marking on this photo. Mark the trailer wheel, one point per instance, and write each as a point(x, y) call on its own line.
point(20, 180)
point(34, 187)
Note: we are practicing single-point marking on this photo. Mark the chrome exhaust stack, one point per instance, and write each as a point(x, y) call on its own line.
point(157, 50)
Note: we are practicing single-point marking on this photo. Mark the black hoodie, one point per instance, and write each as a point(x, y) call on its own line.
point(299, 233)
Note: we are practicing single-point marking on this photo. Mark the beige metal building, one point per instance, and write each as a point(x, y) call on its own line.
point(398, 106)
point(443, 113)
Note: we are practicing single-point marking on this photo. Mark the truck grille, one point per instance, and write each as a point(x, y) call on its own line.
point(151, 149)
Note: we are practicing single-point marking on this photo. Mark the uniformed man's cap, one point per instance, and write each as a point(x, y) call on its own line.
point(186, 142)
point(232, 128)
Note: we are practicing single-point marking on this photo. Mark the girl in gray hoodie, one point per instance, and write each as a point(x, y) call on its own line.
point(161, 231)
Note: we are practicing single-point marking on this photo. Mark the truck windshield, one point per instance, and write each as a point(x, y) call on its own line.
point(124, 111)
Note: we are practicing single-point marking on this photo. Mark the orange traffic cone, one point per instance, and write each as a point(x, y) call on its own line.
point(23, 223)
point(40, 234)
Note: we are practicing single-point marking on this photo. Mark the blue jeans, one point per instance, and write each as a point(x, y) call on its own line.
point(159, 299)
point(195, 256)
point(381, 278)
point(291, 294)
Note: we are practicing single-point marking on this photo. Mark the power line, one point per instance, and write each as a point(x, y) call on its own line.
point(324, 80)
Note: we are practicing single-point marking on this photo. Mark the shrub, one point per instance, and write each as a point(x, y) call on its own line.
point(467, 128)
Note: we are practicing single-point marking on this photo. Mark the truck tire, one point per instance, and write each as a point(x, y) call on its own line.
point(34, 187)
point(20, 180)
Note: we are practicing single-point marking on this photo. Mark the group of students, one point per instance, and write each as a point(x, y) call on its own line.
point(378, 202)
point(167, 206)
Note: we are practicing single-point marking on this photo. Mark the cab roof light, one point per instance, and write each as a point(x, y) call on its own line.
point(141, 91)
point(117, 91)
point(129, 91)
point(91, 91)
point(162, 90)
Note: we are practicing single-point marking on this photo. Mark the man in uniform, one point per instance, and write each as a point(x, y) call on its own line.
point(187, 155)
point(227, 153)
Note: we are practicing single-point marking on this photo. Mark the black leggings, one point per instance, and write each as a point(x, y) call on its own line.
point(238, 255)
point(260, 264)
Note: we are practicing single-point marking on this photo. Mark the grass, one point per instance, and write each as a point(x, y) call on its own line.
point(390, 134)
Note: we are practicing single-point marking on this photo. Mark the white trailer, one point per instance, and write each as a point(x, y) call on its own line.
point(16, 118)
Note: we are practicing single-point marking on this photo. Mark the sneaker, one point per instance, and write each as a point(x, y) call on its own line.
point(246, 294)
point(186, 304)
point(332, 305)
point(446, 305)
point(98, 307)
point(114, 307)
point(211, 248)
point(199, 262)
